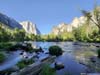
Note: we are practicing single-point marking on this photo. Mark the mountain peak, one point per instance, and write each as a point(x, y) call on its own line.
point(63, 27)
point(30, 27)
point(9, 21)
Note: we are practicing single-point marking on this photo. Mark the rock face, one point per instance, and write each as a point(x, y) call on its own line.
point(30, 27)
point(9, 21)
point(63, 27)
point(78, 21)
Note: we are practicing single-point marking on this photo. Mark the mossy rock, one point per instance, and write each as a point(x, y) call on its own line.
point(55, 50)
point(25, 63)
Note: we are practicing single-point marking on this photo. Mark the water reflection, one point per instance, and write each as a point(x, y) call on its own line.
point(72, 67)
point(68, 58)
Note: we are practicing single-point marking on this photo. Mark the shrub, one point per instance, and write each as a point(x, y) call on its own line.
point(38, 50)
point(24, 63)
point(27, 47)
point(98, 53)
point(5, 45)
point(15, 47)
point(55, 50)
point(2, 57)
point(47, 70)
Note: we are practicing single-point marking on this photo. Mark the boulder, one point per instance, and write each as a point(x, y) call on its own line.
point(93, 59)
point(59, 65)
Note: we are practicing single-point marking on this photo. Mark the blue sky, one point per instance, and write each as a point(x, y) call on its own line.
point(45, 13)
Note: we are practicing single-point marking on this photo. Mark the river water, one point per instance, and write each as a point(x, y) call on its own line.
point(72, 66)
point(68, 58)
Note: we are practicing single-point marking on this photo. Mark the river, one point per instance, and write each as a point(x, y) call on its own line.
point(72, 66)
point(68, 58)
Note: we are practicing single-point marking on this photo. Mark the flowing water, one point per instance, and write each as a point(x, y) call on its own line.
point(72, 67)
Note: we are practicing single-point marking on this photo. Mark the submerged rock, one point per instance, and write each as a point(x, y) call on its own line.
point(93, 59)
point(59, 65)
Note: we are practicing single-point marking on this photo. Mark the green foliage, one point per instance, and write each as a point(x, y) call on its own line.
point(25, 63)
point(26, 47)
point(67, 36)
point(94, 17)
point(55, 50)
point(18, 34)
point(98, 53)
point(46, 70)
point(81, 34)
point(4, 35)
point(29, 47)
point(2, 57)
point(6, 45)
point(7, 34)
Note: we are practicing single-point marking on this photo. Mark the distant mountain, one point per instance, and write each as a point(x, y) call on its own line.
point(63, 27)
point(9, 21)
point(30, 27)
point(78, 21)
